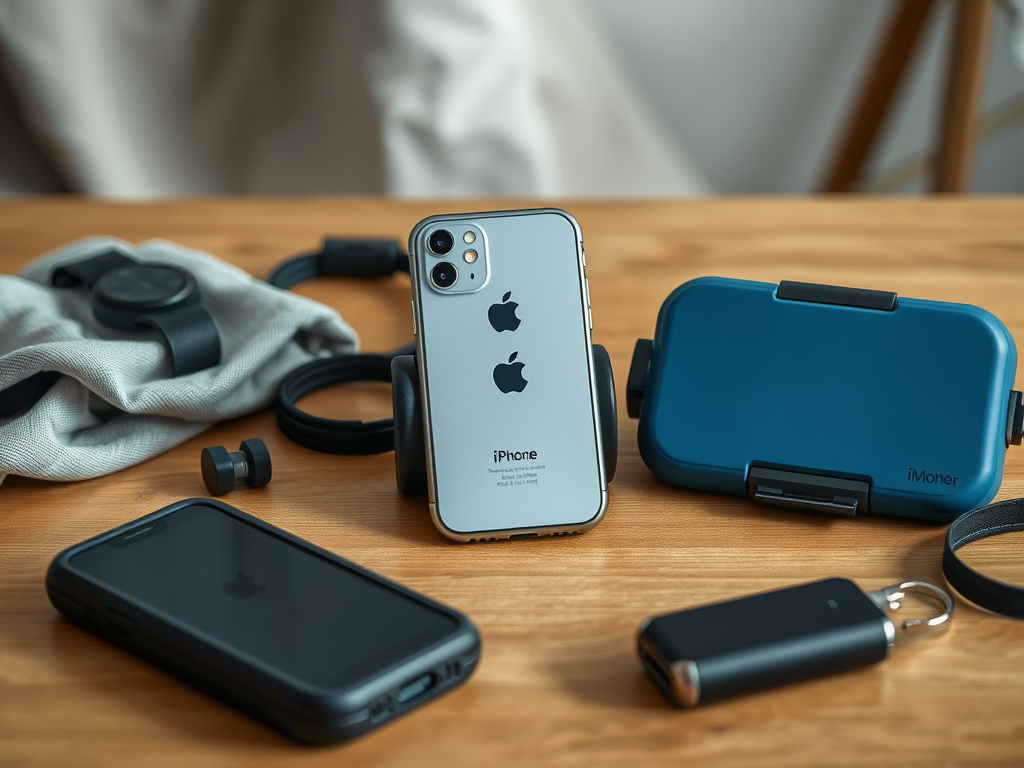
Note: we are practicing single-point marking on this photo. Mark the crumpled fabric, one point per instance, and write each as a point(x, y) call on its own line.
point(116, 404)
point(403, 97)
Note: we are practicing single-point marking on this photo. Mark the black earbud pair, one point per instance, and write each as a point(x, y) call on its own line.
point(251, 462)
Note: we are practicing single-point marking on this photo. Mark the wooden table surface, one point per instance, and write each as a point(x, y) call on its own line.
point(559, 683)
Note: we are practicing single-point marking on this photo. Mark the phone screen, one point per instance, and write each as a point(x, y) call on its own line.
point(264, 597)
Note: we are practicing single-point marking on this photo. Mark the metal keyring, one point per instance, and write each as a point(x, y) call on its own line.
point(891, 598)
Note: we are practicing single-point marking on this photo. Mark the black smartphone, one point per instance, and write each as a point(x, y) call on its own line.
point(302, 639)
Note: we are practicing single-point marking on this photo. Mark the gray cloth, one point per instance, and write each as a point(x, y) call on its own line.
point(116, 404)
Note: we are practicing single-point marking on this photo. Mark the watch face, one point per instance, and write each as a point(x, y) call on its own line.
point(145, 286)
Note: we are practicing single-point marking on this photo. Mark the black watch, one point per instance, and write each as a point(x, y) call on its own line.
point(135, 296)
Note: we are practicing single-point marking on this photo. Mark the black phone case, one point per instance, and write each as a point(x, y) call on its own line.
point(309, 715)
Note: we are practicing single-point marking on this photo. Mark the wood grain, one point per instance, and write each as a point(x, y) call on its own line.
point(559, 683)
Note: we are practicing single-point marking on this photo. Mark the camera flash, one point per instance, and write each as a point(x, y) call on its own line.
point(470, 256)
point(469, 237)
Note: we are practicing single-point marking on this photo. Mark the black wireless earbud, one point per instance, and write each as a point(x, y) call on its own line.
point(251, 462)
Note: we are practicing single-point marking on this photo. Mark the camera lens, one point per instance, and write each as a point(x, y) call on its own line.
point(444, 274)
point(441, 241)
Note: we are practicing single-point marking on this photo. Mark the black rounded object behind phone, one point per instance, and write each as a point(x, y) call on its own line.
point(291, 634)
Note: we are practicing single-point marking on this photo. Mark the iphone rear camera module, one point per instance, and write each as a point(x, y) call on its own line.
point(453, 255)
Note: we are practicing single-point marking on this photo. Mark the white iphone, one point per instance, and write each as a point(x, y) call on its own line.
point(501, 308)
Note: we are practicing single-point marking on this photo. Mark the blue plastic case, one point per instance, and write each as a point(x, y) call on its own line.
point(831, 399)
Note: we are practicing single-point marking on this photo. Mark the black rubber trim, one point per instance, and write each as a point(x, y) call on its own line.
point(1002, 517)
point(352, 438)
point(604, 380)
point(636, 382)
point(1015, 419)
point(410, 445)
point(343, 258)
point(89, 271)
point(837, 295)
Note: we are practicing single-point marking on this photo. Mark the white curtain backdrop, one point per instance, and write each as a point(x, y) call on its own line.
point(144, 98)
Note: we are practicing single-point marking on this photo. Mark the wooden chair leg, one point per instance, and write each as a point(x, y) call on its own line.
point(883, 80)
point(965, 86)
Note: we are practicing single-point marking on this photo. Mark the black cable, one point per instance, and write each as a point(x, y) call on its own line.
point(295, 271)
point(350, 437)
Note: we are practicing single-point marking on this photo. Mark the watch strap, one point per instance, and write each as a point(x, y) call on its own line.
point(88, 271)
point(980, 523)
point(190, 334)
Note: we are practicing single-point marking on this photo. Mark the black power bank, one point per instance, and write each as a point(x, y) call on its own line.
point(299, 638)
point(739, 646)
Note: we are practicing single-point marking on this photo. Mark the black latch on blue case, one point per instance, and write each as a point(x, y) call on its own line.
point(828, 399)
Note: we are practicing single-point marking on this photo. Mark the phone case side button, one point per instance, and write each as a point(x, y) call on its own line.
point(412, 306)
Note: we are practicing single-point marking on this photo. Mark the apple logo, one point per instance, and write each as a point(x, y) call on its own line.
point(503, 316)
point(243, 586)
point(509, 377)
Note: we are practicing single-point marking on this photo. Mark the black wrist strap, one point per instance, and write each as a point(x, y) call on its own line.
point(334, 435)
point(1003, 517)
point(191, 335)
point(89, 271)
